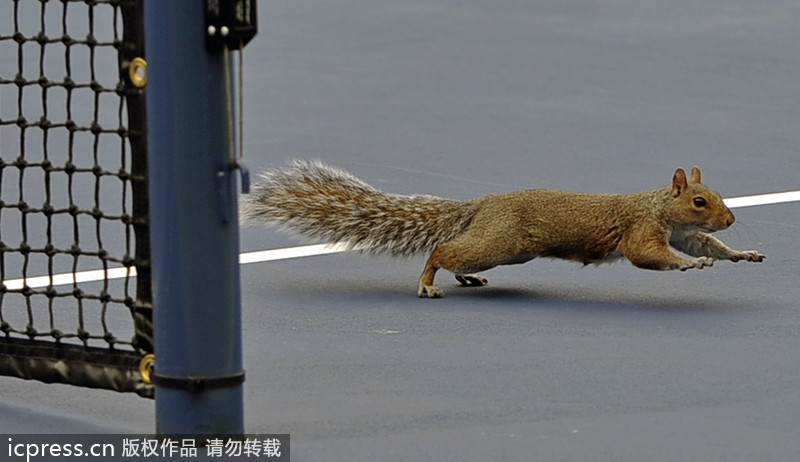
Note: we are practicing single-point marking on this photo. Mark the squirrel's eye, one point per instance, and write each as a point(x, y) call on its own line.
point(700, 202)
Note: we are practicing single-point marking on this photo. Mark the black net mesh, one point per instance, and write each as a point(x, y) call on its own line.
point(73, 193)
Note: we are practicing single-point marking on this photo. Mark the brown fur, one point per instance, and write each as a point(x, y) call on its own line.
point(326, 203)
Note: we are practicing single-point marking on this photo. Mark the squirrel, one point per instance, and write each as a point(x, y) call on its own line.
point(465, 237)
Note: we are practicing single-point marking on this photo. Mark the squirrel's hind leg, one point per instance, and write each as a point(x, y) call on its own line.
point(471, 280)
point(462, 257)
point(426, 289)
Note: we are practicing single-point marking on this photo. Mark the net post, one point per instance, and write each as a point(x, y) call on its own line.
point(197, 307)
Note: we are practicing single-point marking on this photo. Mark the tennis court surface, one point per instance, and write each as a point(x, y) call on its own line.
point(551, 361)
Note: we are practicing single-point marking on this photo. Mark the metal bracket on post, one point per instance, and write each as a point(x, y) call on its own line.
point(230, 23)
point(235, 160)
point(223, 187)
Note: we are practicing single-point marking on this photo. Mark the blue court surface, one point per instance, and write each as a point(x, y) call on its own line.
point(551, 361)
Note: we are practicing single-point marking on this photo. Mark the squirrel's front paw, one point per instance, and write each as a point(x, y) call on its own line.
point(426, 291)
point(699, 263)
point(748, 255)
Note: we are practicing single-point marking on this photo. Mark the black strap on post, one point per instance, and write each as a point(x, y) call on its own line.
point(196, 383)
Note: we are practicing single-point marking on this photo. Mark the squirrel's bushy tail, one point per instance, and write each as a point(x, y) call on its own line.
point(330, 205)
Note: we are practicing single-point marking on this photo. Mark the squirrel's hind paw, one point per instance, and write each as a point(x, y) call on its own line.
point(471, 280)
point(426, 291)
point(749, 255)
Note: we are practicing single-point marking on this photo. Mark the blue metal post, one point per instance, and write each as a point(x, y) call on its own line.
point(193, 190)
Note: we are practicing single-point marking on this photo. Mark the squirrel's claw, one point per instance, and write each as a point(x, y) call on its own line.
point(749, 255)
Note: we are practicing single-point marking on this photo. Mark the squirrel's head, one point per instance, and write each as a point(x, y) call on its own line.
point(696, 205)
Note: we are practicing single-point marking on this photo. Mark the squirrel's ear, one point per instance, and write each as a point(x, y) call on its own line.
point(679, 182)
point(695, 178)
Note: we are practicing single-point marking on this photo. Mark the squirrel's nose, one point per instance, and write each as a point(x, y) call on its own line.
point(729, 221)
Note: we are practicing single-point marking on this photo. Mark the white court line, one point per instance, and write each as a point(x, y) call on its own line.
point(65, 279)
point(290, 252)
point(262, 256)
point(763, 199)
point(245, 258)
